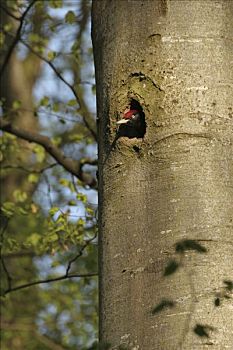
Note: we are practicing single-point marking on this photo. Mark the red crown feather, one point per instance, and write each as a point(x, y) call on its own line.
point(128, 115)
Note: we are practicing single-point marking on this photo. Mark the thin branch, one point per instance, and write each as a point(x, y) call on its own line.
point(55, 279)
point(72, 166)
point(16, 39)
point(8, 276)
point(70, 86)
point(80, 253)
point(60, 278)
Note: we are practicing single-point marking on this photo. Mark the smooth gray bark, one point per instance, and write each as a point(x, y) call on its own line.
point(174, 58)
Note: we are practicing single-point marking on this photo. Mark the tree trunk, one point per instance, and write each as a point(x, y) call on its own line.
point(166, 201)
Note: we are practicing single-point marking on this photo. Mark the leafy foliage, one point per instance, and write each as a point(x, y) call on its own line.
point(48, 216)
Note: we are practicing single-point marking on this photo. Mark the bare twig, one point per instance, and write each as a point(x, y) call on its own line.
point(16, 39)
point(8, 276)
point(80, 253)
point(60, 278)
point(70, 86)
point(72, 166)
point(55, 279)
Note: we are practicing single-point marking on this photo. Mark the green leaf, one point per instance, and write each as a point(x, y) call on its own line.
point(82, 197)
point(72, 102)
point(56, 140)
point(53, 237)
point(34, 38)
point(70, 17)
point(90, 211)
point(81, 222)
point(55, 4)
point(8, 208)
point(12, 244)
point(7, 27)
point(22, 211)
point(76, 137)
point(64, 182)
point(40, 153)
point(56, 107)
point(38, 48)
point(16, 104)
point(44, 101)
point(20, 196)
point(33, 239)
point(53, 211)
point(51, 55)
point(33, 178)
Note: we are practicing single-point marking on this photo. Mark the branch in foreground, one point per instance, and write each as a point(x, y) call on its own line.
point(55, 279)
point(72, 166)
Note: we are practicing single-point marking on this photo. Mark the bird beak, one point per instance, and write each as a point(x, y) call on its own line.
point(122, 121)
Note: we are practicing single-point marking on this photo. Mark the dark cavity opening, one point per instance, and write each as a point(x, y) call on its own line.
point(134, 128)
point(136, 149)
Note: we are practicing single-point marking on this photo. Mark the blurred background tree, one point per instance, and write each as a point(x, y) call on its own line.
point(48, 184)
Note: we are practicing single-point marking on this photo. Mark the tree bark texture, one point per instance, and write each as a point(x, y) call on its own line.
point(174, 187)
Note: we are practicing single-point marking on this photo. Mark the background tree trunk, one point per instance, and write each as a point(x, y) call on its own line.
point(166, 202)
point(17, 83)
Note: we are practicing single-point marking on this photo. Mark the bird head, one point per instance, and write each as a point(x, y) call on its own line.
point(129, 117)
